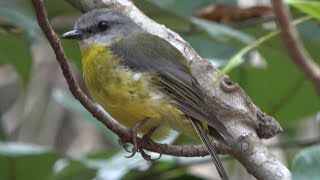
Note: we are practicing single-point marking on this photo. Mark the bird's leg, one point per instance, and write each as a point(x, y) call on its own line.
point(134, 132)
point(136, 148)
point(147, 137)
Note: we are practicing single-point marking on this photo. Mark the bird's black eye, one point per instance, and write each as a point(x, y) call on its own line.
point(103, 25)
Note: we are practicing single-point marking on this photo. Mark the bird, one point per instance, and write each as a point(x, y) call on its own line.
point(143, 81)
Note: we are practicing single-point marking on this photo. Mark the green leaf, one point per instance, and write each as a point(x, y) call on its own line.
point(214, 50)
point(22, 161)
point(306, 164)
point(21, 20)
point(309, 7)
point(25, 161)
point(279, 88)
point(186, 8)
point(12, 149)
point(68, 169)
point(14, 47)
point(222, 32)
point(310, 32)
point(69, 102)
point(15, 51)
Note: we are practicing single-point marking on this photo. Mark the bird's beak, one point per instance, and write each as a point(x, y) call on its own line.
point(73, 34)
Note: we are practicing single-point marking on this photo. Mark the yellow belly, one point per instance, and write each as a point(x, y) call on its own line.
point(127, 96)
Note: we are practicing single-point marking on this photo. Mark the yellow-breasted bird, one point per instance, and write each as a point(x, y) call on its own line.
point(142, 80)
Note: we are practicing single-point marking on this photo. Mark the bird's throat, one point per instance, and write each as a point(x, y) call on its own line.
point(90, 52)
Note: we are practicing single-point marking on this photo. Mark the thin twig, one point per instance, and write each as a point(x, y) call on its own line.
point(174, 150)
point(295, 48)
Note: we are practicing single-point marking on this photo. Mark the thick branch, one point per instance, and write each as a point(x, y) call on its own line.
point(187, 151)
point(295, 48)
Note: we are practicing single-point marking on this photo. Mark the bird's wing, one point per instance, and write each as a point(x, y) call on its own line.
point(144, 52)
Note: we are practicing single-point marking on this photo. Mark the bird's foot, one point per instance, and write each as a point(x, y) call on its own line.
point(134, 132)
point(124, 143)
point(146, 138)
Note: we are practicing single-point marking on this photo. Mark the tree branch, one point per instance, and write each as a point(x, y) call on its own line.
point(294, 46)
point(244, 121)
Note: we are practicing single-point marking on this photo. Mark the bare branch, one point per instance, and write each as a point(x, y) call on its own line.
point(294, 46)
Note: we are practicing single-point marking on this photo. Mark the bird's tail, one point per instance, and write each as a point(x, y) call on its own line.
point(214, 156)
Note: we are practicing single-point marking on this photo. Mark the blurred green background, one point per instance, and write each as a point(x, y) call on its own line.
point(46, 134)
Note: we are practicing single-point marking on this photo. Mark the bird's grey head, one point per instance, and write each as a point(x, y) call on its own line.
point(101, 26)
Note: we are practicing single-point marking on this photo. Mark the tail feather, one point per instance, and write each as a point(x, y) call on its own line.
point(214, 156)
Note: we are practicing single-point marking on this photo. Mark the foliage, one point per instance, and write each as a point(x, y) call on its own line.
point(309, 7)
point(19, 57)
